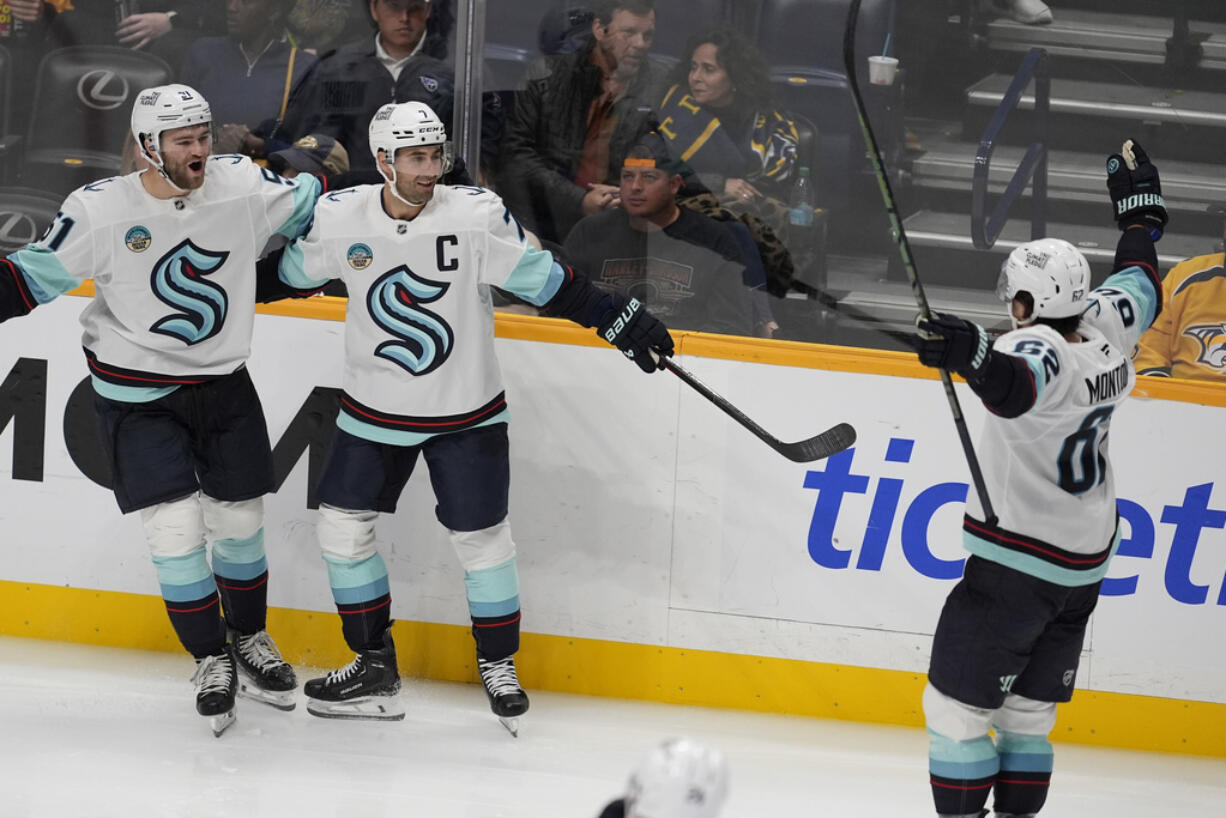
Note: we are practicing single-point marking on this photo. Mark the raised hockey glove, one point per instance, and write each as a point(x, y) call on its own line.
point(637, 333)
point(949, 342)
point(1136, 193)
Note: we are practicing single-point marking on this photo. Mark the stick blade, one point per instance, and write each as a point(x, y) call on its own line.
point(830, 442)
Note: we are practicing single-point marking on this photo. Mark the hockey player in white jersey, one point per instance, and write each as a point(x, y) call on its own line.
point(172, 251)
point(1009, 638)
point(421, 377)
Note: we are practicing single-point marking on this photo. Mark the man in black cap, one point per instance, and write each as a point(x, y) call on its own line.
point(319, 154)
point(678, 262)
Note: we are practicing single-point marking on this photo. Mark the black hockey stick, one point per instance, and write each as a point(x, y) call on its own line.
point(832, 441)
point(904, 249)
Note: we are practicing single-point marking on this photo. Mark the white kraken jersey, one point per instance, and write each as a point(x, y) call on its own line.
point(419, 328)
point(1047, 472)
point(174, 278)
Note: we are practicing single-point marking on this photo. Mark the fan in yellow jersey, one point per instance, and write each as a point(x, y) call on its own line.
point(1189, 338)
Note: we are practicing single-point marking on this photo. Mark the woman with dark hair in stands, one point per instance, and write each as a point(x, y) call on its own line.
point(719, 116)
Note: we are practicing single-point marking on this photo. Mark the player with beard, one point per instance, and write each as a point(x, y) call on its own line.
point(172, 250)
point(421, 378)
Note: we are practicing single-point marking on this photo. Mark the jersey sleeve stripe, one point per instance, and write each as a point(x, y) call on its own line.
point(22, 290)
point(536, 277)
point(45, 275)
point(292, 269)
point(1138, 282)
point(305, 193)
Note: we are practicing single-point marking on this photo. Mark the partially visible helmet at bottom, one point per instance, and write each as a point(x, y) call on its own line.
point(1053, 272)
point(679, 779)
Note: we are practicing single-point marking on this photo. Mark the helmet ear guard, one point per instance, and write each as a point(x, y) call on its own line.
point(1054, 273)
point(406, 125)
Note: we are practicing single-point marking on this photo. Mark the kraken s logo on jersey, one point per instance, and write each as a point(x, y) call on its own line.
point(1212, 340)
point(423, 341)
point(178, 280)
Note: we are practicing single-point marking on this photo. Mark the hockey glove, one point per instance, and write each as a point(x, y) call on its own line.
point(949, 342)
point(1136, 193)
point(637, 333)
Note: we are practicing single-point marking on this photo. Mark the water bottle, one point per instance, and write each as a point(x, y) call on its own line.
point(802, 201)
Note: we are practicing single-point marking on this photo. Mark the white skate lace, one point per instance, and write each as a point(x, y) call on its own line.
point(499, 676)
point(343, 674)
point(260, 650)
point(213, 674)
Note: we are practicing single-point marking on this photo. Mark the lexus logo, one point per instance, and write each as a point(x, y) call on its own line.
point(102, 89)
point(16, 230)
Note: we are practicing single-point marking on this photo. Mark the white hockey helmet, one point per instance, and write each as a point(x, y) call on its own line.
point(1053, 272)
point(164, 108)
point(407, 125)
point(679, 779)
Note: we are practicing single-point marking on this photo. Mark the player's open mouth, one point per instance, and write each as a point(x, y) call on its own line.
point(196, 167)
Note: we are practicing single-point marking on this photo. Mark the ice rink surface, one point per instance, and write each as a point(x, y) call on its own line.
point(93, 732)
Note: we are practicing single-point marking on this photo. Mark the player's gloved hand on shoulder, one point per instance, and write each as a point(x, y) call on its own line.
point(952, 343)
point(637, 333)
point(1136, 192)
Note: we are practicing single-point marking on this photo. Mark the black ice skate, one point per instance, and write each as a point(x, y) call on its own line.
point(216, 685)
point(262, 674)
point(507, 699)
point(366, 688)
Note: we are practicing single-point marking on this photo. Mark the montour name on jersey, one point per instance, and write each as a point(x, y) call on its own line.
point(1108, 385)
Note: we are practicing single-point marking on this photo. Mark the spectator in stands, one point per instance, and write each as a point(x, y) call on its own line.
point(164, 28)
point(314, 153)
point(354, 82)
point(1030, 12)
point(260, 86)
point(1188, 338)
point(680, 264)
point(575, 118)
point(321, 25)
point(719, 113)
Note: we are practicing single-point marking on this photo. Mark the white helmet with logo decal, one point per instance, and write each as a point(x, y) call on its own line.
point(405, 125)
point(1053, 272)
point(679, 779)
point(164, 108)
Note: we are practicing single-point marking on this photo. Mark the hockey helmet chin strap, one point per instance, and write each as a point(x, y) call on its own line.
point(395, 190)
point(160, 166)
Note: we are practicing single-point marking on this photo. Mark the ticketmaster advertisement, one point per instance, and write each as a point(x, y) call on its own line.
point(642, 514)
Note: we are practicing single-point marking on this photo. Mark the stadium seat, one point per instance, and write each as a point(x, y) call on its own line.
point(24, 215)
point(82, 110)
point(8, 141)
point(676, 20)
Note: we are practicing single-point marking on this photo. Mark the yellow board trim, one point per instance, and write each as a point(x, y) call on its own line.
point(736, 348)
point(618, 669)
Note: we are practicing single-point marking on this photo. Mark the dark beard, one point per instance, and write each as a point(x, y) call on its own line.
point(178, 177)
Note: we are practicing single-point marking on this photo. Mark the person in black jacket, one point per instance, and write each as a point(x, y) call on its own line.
point(576, 117)
point(392, 66)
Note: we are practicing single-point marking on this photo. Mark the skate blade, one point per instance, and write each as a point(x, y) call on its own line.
point(511, 723)
point(369, 708)
point(220, 722)
point(280, 699)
